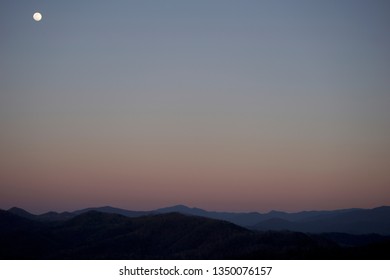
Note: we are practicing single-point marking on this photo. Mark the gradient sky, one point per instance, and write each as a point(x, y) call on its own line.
point(223, 105)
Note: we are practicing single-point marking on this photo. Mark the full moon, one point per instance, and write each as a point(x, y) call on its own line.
point(37, 16)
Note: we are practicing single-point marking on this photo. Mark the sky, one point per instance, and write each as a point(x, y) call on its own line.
point(223, 105)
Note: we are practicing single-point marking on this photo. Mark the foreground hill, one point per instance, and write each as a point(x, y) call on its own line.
point(97, 235)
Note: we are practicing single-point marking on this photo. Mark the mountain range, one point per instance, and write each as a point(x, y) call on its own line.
point(95, 234)
point(351, 221)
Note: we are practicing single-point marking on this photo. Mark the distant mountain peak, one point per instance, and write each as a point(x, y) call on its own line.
point(179, 206)
point(276, 212)
point(183, 209)
point(20, 212)
point(13, 209)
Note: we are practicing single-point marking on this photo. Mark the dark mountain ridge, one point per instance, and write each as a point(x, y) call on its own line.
point(353, 221)
point(98, 235)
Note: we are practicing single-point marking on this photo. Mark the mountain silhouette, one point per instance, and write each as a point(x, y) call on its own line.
point(113, 210)
point(98, 235)
point(352, 221)
point(22, 213)
point(357, 221)
point(242, 219)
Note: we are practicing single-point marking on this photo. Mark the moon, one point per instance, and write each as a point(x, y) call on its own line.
point(37, 16)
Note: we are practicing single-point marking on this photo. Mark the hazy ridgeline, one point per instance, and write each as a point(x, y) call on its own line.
point(111, 233)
